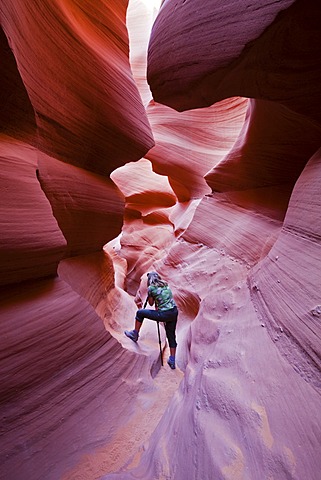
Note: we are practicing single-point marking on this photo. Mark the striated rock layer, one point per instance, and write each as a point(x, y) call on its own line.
point(247, 265)
point(85, 102)
point(291, 272)
point(189, 144)
point(70, 114)
point(59, 369)
point(31, 243)
point(198, 56)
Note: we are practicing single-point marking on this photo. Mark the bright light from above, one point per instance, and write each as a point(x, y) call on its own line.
point(153, 3)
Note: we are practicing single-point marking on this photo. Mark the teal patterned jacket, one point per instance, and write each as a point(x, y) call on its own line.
point(163, 297)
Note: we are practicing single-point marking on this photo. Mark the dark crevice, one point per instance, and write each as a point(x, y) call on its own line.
point(17, 117)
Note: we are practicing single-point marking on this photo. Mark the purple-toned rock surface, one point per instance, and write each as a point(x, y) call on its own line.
point(31, 243)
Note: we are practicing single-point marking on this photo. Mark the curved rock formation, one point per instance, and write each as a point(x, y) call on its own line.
point(271, 151)
point(69, 107)
point(31, 243)
point(88, 207)
point(140, 17)
point(189, 144)
point(87, 107)
point(202, 53)
point(292, 269)
point(62, 383)
point(17, 116)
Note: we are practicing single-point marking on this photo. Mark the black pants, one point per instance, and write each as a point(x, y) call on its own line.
point(168, 317)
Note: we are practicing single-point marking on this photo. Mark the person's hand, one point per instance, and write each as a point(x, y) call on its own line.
point(138, 301)
point(139, 304)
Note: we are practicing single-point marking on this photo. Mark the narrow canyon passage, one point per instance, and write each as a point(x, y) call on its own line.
point(126, 446)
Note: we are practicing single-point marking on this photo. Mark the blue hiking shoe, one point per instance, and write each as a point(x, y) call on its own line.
point(132, 334)
point(171, 362)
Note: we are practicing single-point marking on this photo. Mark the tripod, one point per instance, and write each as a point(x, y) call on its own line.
point(159, 338)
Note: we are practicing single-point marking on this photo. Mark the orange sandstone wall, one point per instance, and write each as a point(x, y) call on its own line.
point(85, 102)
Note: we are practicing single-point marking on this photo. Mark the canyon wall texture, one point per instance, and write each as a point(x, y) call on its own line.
point(210, 175)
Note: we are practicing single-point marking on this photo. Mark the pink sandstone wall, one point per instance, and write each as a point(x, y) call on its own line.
point(70, 114)
point(225, 205)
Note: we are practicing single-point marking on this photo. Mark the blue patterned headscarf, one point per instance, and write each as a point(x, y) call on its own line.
point(153, 278)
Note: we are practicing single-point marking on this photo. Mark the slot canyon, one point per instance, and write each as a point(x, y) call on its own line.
point(182, 136)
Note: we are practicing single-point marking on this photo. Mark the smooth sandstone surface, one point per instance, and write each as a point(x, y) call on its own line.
point(189, 144)
point(210, 175)
point(62, 382)
point(31, 242)
point(73, 60)
point(88, 207)
point(203, 52)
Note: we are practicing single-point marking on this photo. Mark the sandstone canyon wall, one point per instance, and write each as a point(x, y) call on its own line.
point(225, 204)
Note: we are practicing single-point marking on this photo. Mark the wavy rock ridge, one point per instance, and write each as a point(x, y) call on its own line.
point(225, 205)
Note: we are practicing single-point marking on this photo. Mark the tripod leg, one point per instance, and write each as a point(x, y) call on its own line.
point(160, 344)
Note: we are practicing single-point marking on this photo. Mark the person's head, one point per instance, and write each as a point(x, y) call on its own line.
point(153, 278)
